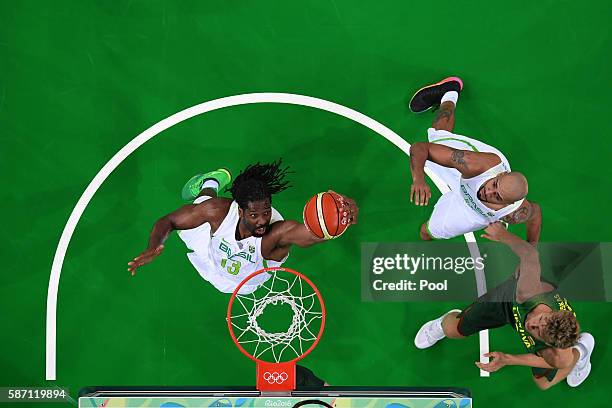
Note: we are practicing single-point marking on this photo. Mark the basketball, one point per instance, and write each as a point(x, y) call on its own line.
point(323, 215)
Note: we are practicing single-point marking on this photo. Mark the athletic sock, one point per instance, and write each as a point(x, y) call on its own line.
point(451, 96)
point(210, 183)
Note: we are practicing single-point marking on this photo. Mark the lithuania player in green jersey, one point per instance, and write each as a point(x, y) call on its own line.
point(543, 319)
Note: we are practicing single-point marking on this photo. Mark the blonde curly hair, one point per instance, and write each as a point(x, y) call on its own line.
point(561, 330)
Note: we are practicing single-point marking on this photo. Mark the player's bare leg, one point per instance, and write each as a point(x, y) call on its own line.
point(449, 325)
point(209, 192)
point(445, 117)
point(424, 234)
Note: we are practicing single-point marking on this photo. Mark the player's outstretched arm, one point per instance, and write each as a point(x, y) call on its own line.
point(468, 163)
point(291, 232)
point(534, 224)
point(420, 193)
point(295, 233)
point(559, 358)
point(499, 360)
point(186, 217)
point(562, 360)
point(529, 213)
point(529, 283)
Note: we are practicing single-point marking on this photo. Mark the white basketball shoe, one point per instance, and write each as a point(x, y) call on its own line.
point(431, 332)
point(582, 369)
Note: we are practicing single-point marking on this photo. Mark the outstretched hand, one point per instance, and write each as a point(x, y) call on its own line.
point(350, 211)
point(498, 361)
point(495, 232)
point(420, 193)
point(144, 258)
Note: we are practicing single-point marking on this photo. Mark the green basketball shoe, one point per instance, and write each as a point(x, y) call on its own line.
point(192, 188)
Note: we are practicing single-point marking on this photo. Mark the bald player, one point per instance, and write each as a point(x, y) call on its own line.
point(483, 187)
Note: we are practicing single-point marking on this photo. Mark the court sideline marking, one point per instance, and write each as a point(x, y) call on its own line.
point(235, 100)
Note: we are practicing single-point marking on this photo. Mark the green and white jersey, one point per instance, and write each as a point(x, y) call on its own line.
point(221, 259)
point(460, 211)
point(552, 299)
point(469, 191)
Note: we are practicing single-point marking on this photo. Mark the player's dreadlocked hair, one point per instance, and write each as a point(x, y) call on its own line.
point(561, 329)
point(258, 182)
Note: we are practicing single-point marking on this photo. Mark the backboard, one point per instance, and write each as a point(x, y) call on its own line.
point(336, 397)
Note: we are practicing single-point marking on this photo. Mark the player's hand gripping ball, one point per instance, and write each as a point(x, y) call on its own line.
point(327, 215)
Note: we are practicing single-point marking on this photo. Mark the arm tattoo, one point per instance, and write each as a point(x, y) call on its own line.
point(445, 113)
point(458, 158)
point(522, 214)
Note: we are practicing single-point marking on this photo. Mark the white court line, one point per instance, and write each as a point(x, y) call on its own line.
point(121, 155)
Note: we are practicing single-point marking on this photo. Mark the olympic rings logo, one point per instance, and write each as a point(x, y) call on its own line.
point(275, 377)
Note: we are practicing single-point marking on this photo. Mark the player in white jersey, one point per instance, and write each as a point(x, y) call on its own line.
point(483, 187)
point(230, 239)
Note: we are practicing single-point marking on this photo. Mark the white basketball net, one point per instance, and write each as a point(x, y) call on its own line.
point(282, 288)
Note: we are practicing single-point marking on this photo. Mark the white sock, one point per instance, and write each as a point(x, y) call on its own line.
point(210, 183)
point(452, 96)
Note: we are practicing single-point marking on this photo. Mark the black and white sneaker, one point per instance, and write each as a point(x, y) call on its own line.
point(429, 96)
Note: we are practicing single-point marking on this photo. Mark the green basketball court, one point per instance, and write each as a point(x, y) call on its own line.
point(80, 79)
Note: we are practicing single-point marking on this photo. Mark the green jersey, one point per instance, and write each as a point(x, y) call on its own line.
point(520, 311)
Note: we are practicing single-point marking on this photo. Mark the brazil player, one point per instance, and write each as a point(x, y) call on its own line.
point(483, 187)
point(231, 239)
point(543, 319)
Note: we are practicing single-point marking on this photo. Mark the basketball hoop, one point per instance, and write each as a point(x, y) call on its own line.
point(276, 352)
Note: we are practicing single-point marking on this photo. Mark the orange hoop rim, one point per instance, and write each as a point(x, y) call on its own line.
point(266, 270)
